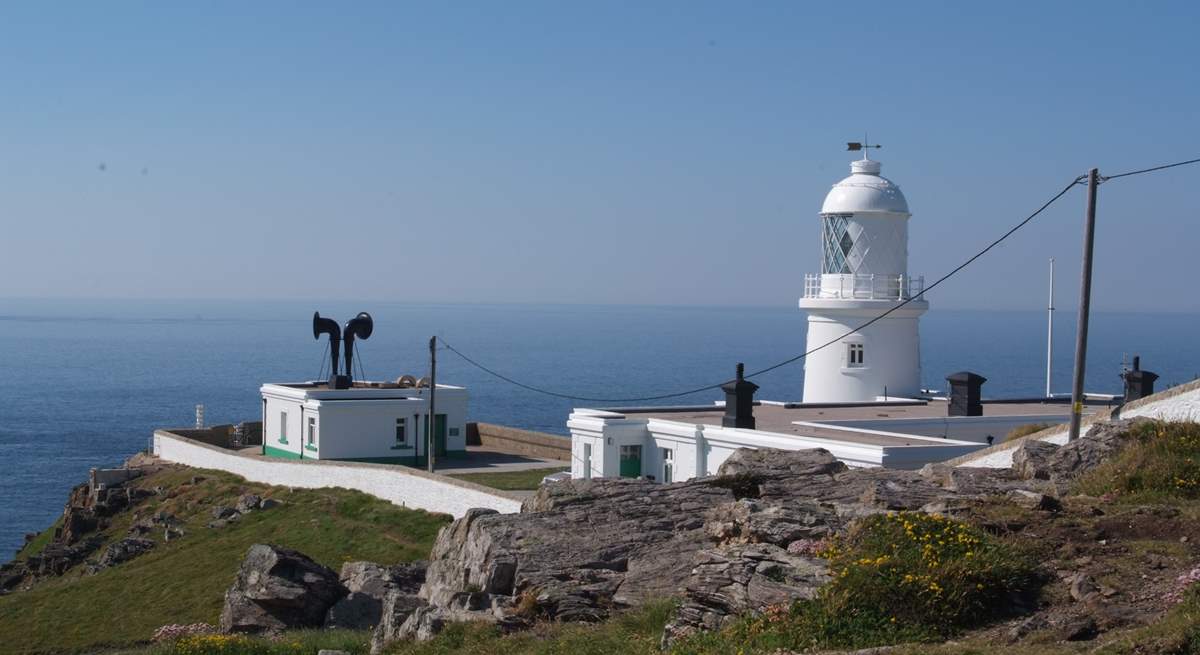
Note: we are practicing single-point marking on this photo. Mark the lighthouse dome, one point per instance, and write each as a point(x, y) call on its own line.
point(865, 191)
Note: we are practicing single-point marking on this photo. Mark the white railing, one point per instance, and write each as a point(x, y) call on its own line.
point(863, 286)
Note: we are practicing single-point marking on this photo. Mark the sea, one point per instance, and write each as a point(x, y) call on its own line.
point(84, 383)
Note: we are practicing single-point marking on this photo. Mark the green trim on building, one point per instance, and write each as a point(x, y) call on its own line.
point(280, 453)
point(310, 447)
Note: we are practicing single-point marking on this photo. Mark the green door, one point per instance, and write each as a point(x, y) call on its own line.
point(631, 461)
point(439, 436)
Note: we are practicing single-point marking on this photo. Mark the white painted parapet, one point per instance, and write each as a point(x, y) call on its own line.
point(407, 487)
point(1181, 403)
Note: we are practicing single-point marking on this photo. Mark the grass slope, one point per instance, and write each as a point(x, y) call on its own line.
point(183, 581)
point(510, 480)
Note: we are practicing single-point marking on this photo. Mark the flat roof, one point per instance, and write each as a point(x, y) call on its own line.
point(781, 419)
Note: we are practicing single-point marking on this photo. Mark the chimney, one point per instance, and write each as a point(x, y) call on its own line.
point(739, 401)
point(964, 394)
point(1138, 383)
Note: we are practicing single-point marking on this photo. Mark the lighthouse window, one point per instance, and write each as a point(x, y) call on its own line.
point(854, 356)
point(837, 244)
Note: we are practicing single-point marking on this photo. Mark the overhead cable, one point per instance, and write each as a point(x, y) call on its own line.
point(826, 344)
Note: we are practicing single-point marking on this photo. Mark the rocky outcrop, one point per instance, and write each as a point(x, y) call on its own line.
point(580, 549)
point(120, 552)
point(89, 510)
point(1059, 466)
point(369, 586)
point(730, 580)
point(276, 589)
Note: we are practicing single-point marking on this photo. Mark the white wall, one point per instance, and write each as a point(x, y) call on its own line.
point(367, 428)
point(966, 428)
point(362, 424)
point(272, 424)
point(892, 352)
point(701, 449)
point(406, 487)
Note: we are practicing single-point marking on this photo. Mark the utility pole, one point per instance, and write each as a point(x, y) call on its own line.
point(1050, 329)
point(1085, 303)
point(431, 428)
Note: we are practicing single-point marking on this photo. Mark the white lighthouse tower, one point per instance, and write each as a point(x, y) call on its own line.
point(864, 273)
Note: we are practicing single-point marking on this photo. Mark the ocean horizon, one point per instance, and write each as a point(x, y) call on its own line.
point(87, 381)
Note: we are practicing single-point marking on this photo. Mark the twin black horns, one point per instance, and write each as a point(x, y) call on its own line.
point(359, 327)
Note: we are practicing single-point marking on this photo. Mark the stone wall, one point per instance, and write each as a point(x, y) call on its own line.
point(519, 442)
point(401, 485)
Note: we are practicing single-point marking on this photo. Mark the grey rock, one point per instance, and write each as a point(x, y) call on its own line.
point(277, 589)
point(731, 580)
point(1081, 628)
point(121, 552)
point(268, 503)
point(366, 578)
point(1082, 586)
point(1033, 500)
point(247, 502)
point(1031, 459)
point(397, 608)
point(223, 512)
point(355, 611)
point(370, 585)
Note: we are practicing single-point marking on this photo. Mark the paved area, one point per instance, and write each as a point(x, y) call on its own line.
point(777, 418)
point(482, 460)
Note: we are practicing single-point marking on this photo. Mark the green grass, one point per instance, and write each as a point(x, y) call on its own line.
point(636, 632)
point(297, 642)
point(510, 480)
point(897, 578)
point(1162, 465)
point(39, 542)
point(1026, 430)
point(183, 581)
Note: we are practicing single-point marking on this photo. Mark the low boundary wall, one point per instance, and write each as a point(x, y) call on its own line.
point(402, 486)
point(519, 442)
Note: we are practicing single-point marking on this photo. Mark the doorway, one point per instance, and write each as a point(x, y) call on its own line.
point(631, 461)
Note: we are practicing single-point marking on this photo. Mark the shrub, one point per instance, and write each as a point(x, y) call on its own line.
point(926, 570)
point(1161, 463)
point(1025, 430)
point(897, 578)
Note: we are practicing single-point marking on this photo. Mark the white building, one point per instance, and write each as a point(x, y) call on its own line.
point(677, 446)
point(864, 273)
point(382, 422)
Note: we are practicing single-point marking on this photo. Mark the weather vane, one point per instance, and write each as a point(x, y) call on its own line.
point(864, 145)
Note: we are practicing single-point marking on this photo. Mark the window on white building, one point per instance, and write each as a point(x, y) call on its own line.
point(312, 431)
point(587, 461)
point(854, 355)
point(282, 427)
point(668, 457)
point(401, 432)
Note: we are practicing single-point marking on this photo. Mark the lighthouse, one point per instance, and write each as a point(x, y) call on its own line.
point(864, 273)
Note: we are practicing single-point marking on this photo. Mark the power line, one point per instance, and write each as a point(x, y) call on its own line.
point(1105, 178)
point(874, 320)
point(790, 360)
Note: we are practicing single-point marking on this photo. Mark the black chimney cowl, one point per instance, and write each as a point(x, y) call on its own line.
point(965, 392)
point(1138, 383)
point(739, 401)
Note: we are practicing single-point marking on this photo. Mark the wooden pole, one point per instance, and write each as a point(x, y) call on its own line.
point(1050, 330)
point(1085, 303)
point(432, 429)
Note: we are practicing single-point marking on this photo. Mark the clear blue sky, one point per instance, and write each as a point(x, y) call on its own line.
point(596, 153)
